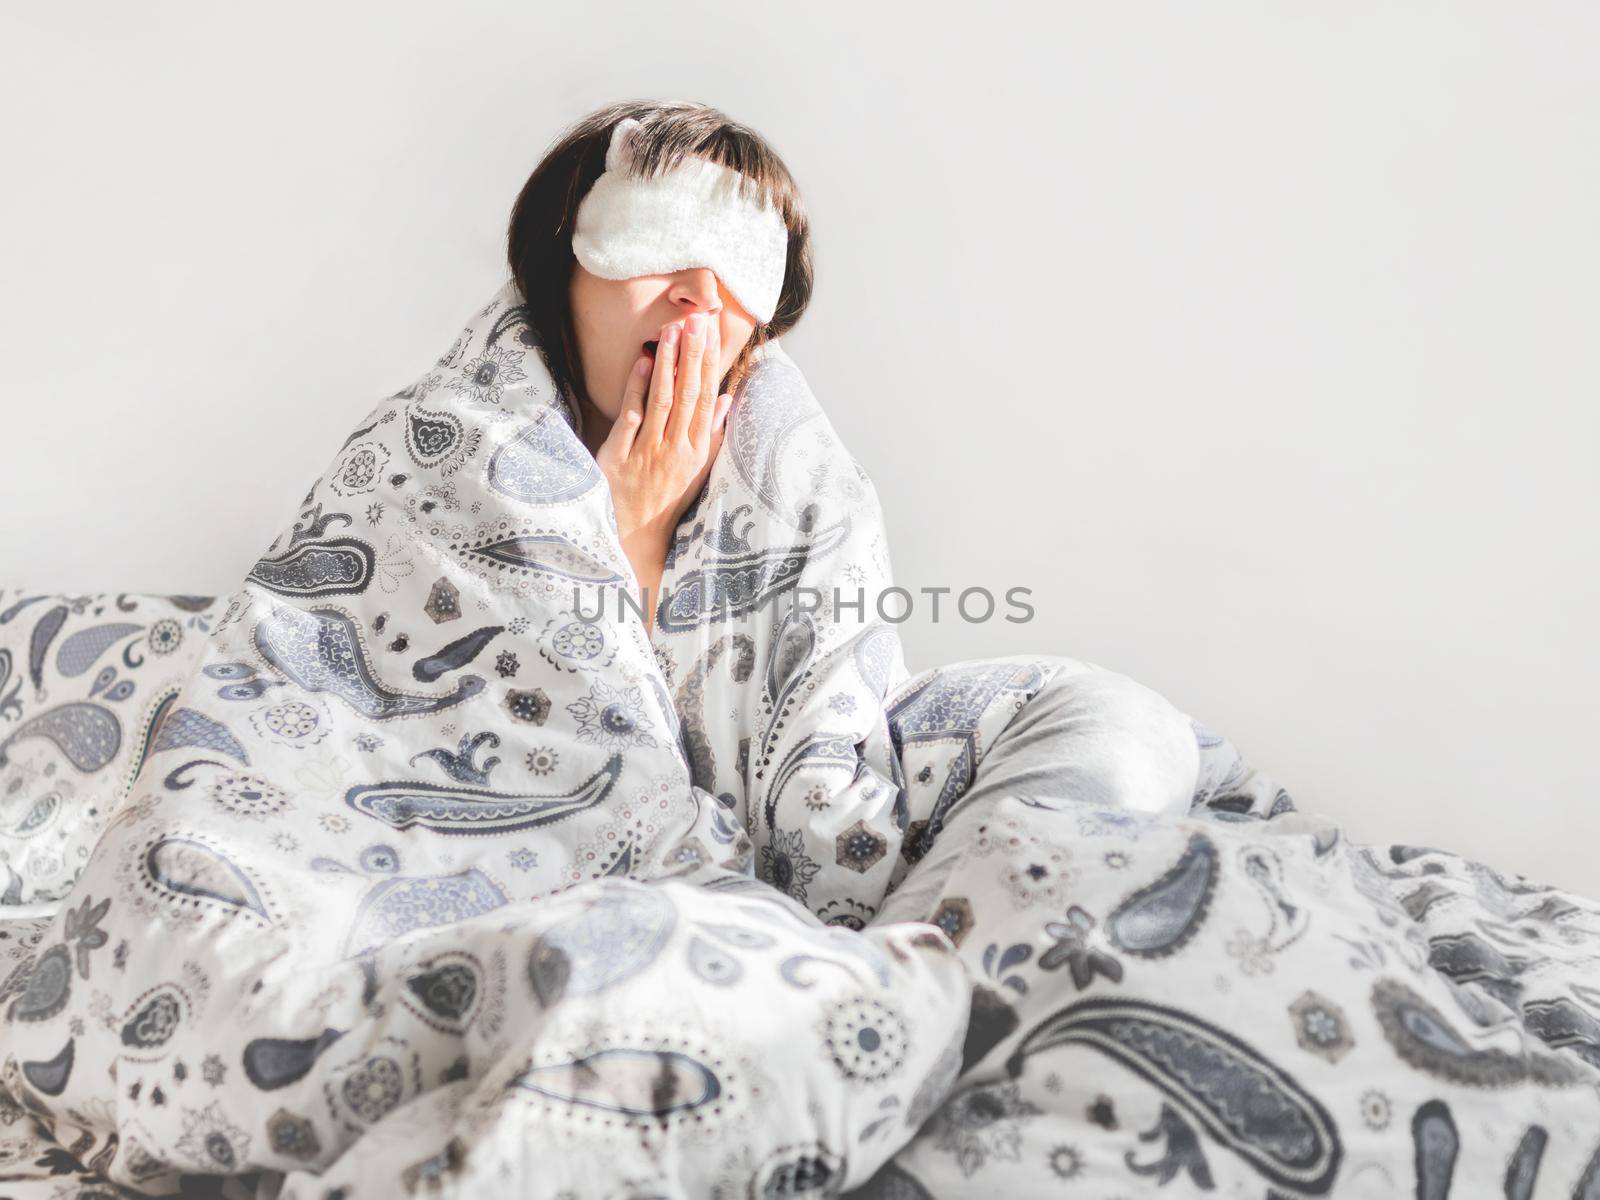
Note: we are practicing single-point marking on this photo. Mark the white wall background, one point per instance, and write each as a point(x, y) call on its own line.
point(1258, 339)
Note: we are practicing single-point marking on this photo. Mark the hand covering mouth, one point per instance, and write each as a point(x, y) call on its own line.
point(650, 347)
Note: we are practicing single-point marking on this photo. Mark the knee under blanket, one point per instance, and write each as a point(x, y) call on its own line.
point(439, 875)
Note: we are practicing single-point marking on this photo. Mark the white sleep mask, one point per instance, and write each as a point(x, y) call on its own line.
point(691, 216)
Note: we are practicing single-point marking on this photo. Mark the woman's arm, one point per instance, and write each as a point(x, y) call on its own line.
point(661, 446)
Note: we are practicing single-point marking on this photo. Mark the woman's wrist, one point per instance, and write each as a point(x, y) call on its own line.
point(646, 550)
point(648, 541)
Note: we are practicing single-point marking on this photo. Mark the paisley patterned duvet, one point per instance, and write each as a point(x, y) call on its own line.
point(416, 867)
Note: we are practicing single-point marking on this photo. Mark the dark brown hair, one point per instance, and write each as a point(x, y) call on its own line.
point(539, 241)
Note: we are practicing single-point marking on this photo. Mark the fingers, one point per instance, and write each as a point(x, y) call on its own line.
point(691, 365)
point(658, 404)
point(626, 427)
point(719, 427)
point(710, 377)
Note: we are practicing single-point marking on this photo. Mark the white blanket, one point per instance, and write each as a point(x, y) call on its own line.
point(438, 874)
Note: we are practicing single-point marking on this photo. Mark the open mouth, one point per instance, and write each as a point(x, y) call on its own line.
point(650, 348)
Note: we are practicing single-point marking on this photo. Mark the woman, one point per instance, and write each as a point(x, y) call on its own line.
point(650, 361)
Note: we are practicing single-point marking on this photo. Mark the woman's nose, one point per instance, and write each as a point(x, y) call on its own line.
point(696, 290)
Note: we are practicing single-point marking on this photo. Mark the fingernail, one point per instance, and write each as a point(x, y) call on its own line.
point(671, 335)
point(642, 367)
point(697, 323)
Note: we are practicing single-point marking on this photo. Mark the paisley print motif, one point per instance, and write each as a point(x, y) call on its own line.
point(321, 651)
point(78, 652)
point(431, 436)
point(538, 552)
point(438, 440)
point(728, 588)
point(50, 1077)
point(340, 566)
point(442, 808)
point(455, 655)
point(1523, 1171)
point(446, 993)
point(1161, 918)
point(44, 633)
point(1433, 1133)
point(545, 464)
point(88, 735)
point(272, 1063)
point(398, 906)
point(155, 1021)
point(545, 553)
point(1242, 1099)
point(39, 817)
point(187, 727)
point(11, 611)
point(631, 1082)
point(45, 988)
point(874, 653)
point(189, 872)
point(144, 732)
point(610, 941)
